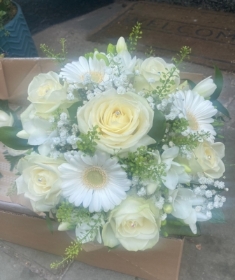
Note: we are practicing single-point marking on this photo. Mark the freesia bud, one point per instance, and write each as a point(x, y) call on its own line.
point(14, 152)
point(151, 188)
point(22, 134)
point(167, 208)
point(121, 45)
point(5, 119)
point(65, 226)
point(205, 88)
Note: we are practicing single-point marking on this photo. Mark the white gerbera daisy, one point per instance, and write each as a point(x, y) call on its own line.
point(85, 71)
point(196, 110)
point(96, 182)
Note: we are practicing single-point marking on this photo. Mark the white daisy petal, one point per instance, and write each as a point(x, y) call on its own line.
point(85, 71)
point(196, 110)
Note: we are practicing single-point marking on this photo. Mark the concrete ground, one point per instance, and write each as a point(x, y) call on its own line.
point(208, 257)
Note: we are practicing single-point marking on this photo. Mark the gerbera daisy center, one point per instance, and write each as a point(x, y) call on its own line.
point(94, 178)
point(96, 77)
point(193, 123)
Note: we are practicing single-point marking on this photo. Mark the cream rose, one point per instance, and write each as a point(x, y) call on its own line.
point(123, 120)
point(151, 70)
point(6, 119)
point(134, 224)
point(46, 93)
point(39, 181)
point(207, 159)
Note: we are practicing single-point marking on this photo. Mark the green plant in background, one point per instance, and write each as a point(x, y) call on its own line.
point(134, 36)
point(7, 12)
point(49, 52)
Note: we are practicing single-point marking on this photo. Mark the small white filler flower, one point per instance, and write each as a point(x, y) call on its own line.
point(96, 182)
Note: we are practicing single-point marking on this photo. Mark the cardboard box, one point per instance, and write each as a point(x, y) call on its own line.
point(21, 226)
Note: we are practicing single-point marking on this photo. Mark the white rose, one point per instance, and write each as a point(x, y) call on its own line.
point(123, 121)
point(207, 159)
point(46, 93)
point(134, 224)
point(151, 70)
point(205, 88)
point(6, 119)
point(39, 181)
point(36, 129)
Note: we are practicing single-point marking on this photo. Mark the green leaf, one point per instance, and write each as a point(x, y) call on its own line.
point(73, 110)
point(111, 49)
point(219, 83)
point(4, 105)
point(88, 55)
point(13, 160)
point(8, 137)
point(191, 83)
point(217, 216)
point(159, 126)
point(100, 56)
point(49, 223)
point(221, 108)
point(176, 227)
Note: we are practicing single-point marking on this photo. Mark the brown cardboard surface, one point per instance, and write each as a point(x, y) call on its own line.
point(160, 263)
point(20, 226)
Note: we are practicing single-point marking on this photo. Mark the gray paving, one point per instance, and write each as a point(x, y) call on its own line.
point(209, 257)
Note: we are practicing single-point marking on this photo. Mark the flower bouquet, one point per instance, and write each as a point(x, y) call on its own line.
point(118, 149)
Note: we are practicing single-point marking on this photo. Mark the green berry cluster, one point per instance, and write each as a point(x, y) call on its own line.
point(70, 254)
point(183, 54)
point(67, 212)
point(143, 164)
point(87, 142)
point(168, 77)
point(179, 125)
point(134, 36)
point(64, 212)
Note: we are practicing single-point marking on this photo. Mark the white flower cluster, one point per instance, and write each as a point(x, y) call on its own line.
point(112, 137)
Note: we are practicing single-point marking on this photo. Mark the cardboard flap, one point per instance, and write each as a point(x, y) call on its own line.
point(162, 262)
point(195, 77)
point(17, 73)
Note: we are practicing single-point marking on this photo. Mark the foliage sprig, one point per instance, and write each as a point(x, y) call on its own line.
point(134, 36)
point(70, 254)
point(143, 164)
point(87, 142)
point(168, 77)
